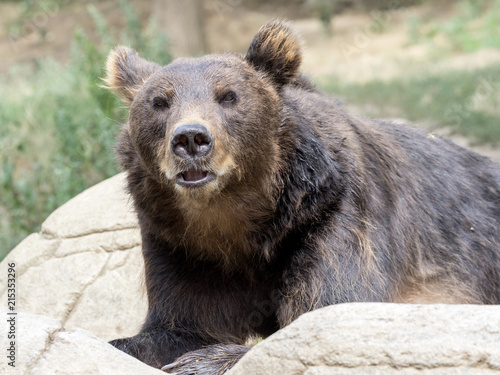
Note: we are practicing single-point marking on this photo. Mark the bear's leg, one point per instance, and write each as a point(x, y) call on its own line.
point(166, 349)
point(194, 311)
point(319, 277)
point(158, 347)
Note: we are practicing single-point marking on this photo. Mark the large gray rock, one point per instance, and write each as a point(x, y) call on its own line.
point(85, 267)
point(45, 347)
point(84, 270)
point(373, 338)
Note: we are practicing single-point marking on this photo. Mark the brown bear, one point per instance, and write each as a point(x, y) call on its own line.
point(259, 199)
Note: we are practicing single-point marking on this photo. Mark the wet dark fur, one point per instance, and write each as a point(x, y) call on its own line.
point(317, 207)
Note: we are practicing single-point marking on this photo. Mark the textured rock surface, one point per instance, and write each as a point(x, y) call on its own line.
point(382, 339)
point(84, 268)
point(46, 348)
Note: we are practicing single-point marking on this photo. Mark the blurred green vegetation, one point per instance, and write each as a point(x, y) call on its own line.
point(468, 102)
point(476, 26)
point(58, 126)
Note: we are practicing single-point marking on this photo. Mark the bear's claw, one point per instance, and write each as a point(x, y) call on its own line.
point(211, 360)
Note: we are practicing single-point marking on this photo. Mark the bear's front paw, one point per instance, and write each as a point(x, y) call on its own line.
point(212, 360)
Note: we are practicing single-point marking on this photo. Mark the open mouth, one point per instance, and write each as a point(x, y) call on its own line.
point(194, 178)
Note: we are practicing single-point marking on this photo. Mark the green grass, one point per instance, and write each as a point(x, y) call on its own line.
point(58, 127)
point(475, 25)
point(467, 102)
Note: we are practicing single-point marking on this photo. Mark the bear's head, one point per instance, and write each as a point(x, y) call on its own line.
point(204, 125)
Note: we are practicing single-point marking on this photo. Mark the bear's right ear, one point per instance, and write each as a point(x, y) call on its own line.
point(276, 50)
point(127, 72)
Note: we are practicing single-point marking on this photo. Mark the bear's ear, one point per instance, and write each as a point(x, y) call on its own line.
point(127, 72)
point(275, 50)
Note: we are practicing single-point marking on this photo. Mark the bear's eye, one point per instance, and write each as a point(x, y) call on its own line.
point(228, 98)
point(160, 103)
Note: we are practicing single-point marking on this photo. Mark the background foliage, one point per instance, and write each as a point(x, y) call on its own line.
point(58, 126)
point(467, 101)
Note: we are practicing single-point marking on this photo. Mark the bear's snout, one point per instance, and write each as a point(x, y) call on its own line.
point(192, 141)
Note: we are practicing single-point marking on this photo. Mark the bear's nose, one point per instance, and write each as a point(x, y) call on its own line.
point(192, 141)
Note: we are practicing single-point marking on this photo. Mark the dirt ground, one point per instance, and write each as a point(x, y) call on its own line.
point(359, 46)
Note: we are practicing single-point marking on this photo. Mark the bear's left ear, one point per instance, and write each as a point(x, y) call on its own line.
point(275, 50)
point(127, 72)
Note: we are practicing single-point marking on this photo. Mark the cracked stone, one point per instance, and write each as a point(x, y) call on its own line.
point(95, 242)
point(114, 312)
point(85, 268)
point(53, 287)
point(88, 213)
point(380, 338)
point(127, 238)
point(31, 252)
point(388, 370)
point(33, 342)
point(45, 348)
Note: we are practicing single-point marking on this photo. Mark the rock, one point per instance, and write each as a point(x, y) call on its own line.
point(44, 347)
point(376, 338)
point(85, 268)
point(84, 272)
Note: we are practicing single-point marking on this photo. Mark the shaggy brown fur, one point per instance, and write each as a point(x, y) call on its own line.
point(293, 205)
